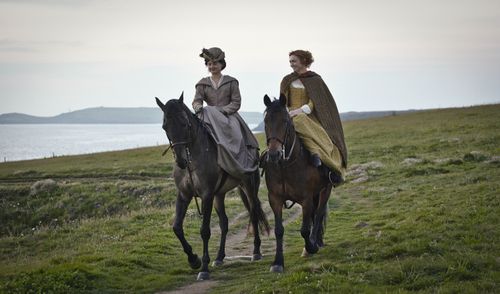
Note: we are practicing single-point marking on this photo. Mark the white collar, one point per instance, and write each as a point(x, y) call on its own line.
point(214, 84)
point(298, 84)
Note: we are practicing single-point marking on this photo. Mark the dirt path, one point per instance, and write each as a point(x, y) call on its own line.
point(239, 245)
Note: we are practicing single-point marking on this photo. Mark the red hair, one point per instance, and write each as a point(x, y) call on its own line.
point(305, 57)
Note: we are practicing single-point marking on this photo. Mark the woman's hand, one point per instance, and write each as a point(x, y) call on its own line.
point(221, 110)
point(295, 112)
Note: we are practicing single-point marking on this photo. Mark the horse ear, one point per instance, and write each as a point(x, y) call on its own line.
point(181, 99)
point(267, 100)
point(282, 99)
point(158, 101)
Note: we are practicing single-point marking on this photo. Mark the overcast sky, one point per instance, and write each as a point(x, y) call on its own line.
point(63, 55)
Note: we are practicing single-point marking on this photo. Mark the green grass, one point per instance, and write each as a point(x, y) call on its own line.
point(425, 218)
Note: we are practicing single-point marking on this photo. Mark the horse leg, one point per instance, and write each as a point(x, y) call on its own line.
point(305, 230)
point(181, 206)
point(320, 215)
point(256, 255)
point(322, 227)
point(279, 231)
point(250, 191)
point(223, 224)
point(205, 235)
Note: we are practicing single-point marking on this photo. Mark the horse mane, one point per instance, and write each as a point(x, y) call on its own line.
point(175, 106)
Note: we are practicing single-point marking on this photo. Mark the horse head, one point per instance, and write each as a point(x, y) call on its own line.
point(178, 127)
point(278, 127)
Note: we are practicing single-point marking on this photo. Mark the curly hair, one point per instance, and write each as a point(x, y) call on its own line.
point(305, 57)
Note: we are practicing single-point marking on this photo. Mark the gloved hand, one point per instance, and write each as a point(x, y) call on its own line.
point(221, 109)
point(198, 110)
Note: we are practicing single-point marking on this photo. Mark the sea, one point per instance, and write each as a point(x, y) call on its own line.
point(33, 141)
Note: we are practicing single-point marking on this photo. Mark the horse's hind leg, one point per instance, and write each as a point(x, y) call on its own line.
point(205, 235)
point(256, 255)
point(322, 227)
point(320, 215)
point(254, 221)
point(305, 231)
point(181, 206)
point(223, 224)
point(250, 192)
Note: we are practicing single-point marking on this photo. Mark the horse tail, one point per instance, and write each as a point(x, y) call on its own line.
point(253, 205)
point(244, 198)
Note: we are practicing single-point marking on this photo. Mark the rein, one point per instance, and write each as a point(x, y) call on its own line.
point(284, 157)
point(284, 141)
point(186, 144)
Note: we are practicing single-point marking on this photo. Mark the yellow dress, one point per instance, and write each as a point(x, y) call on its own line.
point(314, 137)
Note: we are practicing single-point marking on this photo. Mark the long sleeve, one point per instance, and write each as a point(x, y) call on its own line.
point(198, 98)
point(235, 103)
point(308, 108)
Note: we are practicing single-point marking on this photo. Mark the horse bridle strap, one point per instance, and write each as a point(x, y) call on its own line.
point(283, 142)
point(173, 144)
point(166, 150)
point(291, 149)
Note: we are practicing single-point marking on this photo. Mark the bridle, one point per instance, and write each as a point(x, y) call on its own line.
point(288, 131)
point(185, 143)
point(191, 141)
point(284, 141)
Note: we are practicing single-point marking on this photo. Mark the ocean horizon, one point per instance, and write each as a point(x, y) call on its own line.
point(36, 141)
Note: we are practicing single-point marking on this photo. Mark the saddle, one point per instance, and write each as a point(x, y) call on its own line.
point(332, 175)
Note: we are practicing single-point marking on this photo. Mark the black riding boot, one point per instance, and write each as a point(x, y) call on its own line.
point(316, 161)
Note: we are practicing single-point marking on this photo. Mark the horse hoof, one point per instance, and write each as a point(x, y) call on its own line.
point(305, 253)
point(217, 263)
point(313, 249)
point(256, 257)
point(202, 276)
point(195, 262)
point(276, 269)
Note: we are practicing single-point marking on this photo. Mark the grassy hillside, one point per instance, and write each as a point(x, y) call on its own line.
point(420, 212)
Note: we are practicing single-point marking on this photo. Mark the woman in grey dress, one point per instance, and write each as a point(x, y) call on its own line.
point(238, 148)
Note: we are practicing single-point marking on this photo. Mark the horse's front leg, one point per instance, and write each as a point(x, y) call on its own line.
point(305, 230)
point(181, 206)
point(277, 206)
point(223, 224)
point(207, 204)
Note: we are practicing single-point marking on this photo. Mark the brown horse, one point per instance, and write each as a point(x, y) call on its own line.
point(197, 174)
point(290, 175)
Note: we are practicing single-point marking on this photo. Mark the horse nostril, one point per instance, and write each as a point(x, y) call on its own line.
point(274, 155)
point(182, 163)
